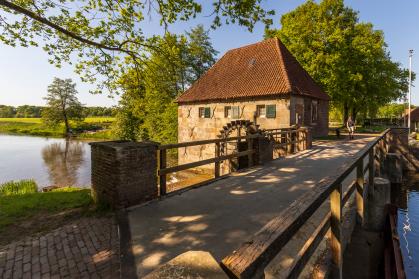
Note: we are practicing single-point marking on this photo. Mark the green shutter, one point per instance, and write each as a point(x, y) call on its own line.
point(207, 112)
point(271, 111)
point(235, 111)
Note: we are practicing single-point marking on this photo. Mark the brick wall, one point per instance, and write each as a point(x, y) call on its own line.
point(124, 173)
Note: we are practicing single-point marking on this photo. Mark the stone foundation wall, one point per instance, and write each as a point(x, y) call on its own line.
point(192, 128)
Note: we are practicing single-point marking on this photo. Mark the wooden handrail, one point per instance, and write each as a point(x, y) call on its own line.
point(203, 142)
point(250, 260)
point(205, 162)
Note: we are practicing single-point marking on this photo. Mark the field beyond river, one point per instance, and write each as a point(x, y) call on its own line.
point(90, 128)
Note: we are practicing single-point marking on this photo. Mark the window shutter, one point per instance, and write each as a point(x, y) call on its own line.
point(235, 112)
point(271, 111)
point(207, 112)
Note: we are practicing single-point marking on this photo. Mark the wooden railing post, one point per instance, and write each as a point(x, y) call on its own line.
point(162, 165)
point(371, 163)
point(336, 231)
point(217, 163)
point(360, 190)
point(249, 148)
point(289, 139)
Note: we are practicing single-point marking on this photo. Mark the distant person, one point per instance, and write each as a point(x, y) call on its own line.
point(350, 124)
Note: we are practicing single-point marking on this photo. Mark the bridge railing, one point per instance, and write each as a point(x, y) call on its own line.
point(289, 140)
point(164, 170)
point(294, 141)
point(251, 259)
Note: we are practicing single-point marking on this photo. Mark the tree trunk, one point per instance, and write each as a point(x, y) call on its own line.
point(354, 114)
point(345, 113)
point(67, 125)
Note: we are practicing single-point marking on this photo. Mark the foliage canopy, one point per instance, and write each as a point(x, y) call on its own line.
point(348, 58)
point(106, 37)
point(148, 109)
point(62, 104)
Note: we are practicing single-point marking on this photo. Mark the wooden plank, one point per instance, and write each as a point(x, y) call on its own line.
point(366, 168)
point(371, 173)
point(309, 248)
point(250, 155)
point(336, 231)
point(253, 256)
point(360, 191)
point(217, 163)
point(396, 248)
point(204, 162)
point(162, 165)
point(348, 193)
point(203, 142)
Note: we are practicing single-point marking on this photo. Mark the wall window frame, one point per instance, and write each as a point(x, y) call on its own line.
point(235, 112)
point(204, 112)
point(271, 111)
point(261, 111)
point(314, 111)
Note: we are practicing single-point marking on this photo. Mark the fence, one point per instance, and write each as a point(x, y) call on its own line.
point(250, 260)
point(290, 141)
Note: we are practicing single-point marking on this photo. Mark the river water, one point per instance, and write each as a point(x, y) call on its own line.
point(408, 224)
point(49, 161)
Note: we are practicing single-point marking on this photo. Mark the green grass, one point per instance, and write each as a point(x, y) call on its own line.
point(34, 127)
point(16, 208)
point(18, 187)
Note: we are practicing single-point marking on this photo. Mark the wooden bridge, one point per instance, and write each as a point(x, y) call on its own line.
point(266, 220)
point(245, 219)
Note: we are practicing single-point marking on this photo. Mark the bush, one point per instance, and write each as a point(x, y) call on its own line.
point(18, 187)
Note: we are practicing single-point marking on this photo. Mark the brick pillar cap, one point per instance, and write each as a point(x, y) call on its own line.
point(124, 144)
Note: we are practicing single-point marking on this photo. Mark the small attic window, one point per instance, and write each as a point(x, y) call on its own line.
point(252, 62)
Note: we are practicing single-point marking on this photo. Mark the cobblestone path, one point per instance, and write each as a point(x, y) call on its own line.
point(87, 248)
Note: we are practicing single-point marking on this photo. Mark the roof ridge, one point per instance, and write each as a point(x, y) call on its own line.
point(250, 45)
point(282, 62)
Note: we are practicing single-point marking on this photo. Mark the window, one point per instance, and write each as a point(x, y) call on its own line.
point(235, 112)
point(270, 111)
point(227, 112)
point(232, 112)
point(204, 112)
point(261, 110)
point(314, 111)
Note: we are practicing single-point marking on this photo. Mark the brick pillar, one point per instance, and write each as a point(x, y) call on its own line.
point(124, 173)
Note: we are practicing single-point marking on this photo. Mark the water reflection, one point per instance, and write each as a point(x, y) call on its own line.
point(49, 161)
point(407, 199)
point(63, 161)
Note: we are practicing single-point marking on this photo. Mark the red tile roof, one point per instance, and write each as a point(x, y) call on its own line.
point(414, 114)
point(264, 69)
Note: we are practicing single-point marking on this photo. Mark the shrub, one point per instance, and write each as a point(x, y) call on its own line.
point(18, 187)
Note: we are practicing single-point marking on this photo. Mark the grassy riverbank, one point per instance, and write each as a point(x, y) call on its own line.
point(24, 211)
point(90, 128)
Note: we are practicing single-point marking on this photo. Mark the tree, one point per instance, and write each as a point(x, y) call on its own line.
point(349, 59)
point(149, 93)
point(62, 104)
point(106, 37)
point(7, 111)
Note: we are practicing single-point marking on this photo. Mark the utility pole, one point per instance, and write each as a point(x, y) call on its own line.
point(410, 86)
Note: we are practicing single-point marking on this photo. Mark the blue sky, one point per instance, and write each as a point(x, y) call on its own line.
point(25, 72)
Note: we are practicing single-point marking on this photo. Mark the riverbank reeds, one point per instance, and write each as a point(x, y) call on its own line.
point(20, 187)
